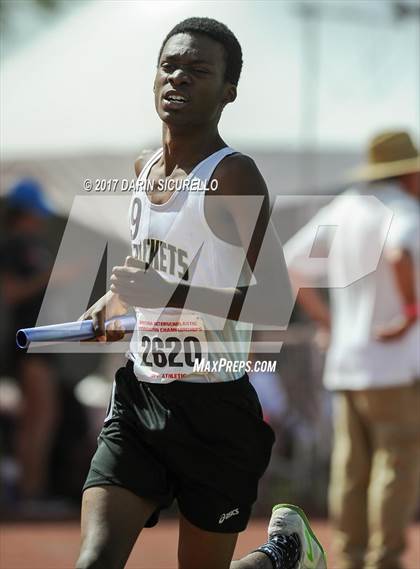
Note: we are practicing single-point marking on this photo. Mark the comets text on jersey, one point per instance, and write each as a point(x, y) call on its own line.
point(163, 257)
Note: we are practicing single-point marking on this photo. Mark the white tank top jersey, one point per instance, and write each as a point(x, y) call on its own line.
point(178, 242)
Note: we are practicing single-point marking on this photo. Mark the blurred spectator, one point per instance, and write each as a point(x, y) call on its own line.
point(372, 363)
point(25, 266)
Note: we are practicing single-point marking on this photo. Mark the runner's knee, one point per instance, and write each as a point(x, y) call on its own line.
point(91, 558)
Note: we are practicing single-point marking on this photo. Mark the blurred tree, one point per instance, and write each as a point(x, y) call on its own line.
point(48, 4)
point(6, 6)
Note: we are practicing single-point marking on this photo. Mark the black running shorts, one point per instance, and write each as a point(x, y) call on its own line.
point(205, 445)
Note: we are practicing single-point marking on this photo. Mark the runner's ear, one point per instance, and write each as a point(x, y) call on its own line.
point(230, 94)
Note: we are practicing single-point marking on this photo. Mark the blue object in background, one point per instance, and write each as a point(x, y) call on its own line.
point(27, 195)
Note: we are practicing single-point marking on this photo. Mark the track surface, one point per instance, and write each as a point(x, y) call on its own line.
point(55, 545)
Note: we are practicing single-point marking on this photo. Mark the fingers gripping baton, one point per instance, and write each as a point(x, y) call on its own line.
point(69, 331)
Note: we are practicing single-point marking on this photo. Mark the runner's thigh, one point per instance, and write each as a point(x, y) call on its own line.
point(112, 518)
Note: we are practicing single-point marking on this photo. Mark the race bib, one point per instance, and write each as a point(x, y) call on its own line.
point(168, 344)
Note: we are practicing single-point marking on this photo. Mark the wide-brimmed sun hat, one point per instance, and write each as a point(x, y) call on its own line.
point(391, 153)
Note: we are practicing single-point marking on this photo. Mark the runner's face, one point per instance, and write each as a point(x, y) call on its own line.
point(189, 87)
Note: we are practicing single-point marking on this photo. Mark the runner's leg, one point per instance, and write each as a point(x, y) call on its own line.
point(200, 549)
point(112, 518)
point(255, 560)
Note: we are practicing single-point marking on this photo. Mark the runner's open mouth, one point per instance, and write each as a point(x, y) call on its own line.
point(175, 98)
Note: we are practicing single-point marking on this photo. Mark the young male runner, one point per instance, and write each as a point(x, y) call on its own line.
point(172, 432)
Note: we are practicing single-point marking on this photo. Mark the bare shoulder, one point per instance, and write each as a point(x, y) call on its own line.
point(237, 174)
point(142, 159)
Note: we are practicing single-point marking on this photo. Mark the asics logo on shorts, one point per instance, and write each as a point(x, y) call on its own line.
point(225, 517)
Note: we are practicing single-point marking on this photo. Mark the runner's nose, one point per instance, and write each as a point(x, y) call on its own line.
point(179, 77)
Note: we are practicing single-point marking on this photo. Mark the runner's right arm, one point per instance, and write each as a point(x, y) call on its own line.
point(110, 304)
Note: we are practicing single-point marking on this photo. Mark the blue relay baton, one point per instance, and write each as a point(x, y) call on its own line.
point(68, 331)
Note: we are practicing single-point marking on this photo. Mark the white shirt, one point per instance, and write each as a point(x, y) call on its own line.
point(179, 243)
point(365, 232)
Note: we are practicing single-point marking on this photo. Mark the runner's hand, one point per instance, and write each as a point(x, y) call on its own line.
point(107, 307)
point(138, 286)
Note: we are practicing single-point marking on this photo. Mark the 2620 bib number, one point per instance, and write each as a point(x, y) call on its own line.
point(169, 352)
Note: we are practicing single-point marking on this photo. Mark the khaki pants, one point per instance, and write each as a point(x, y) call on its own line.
point(375, 475)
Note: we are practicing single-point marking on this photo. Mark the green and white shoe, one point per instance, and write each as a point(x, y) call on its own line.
point(287, 519)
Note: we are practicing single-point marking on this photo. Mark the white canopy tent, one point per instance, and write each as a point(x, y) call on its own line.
point(77, 101)
point(85, 84)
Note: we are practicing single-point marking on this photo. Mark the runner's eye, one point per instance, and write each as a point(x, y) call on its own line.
point(168, 67)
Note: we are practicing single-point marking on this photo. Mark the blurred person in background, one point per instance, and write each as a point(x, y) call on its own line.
point(25, 267)
point(372, 362)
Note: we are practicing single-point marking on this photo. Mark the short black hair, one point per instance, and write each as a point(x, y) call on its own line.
point(218, 32)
